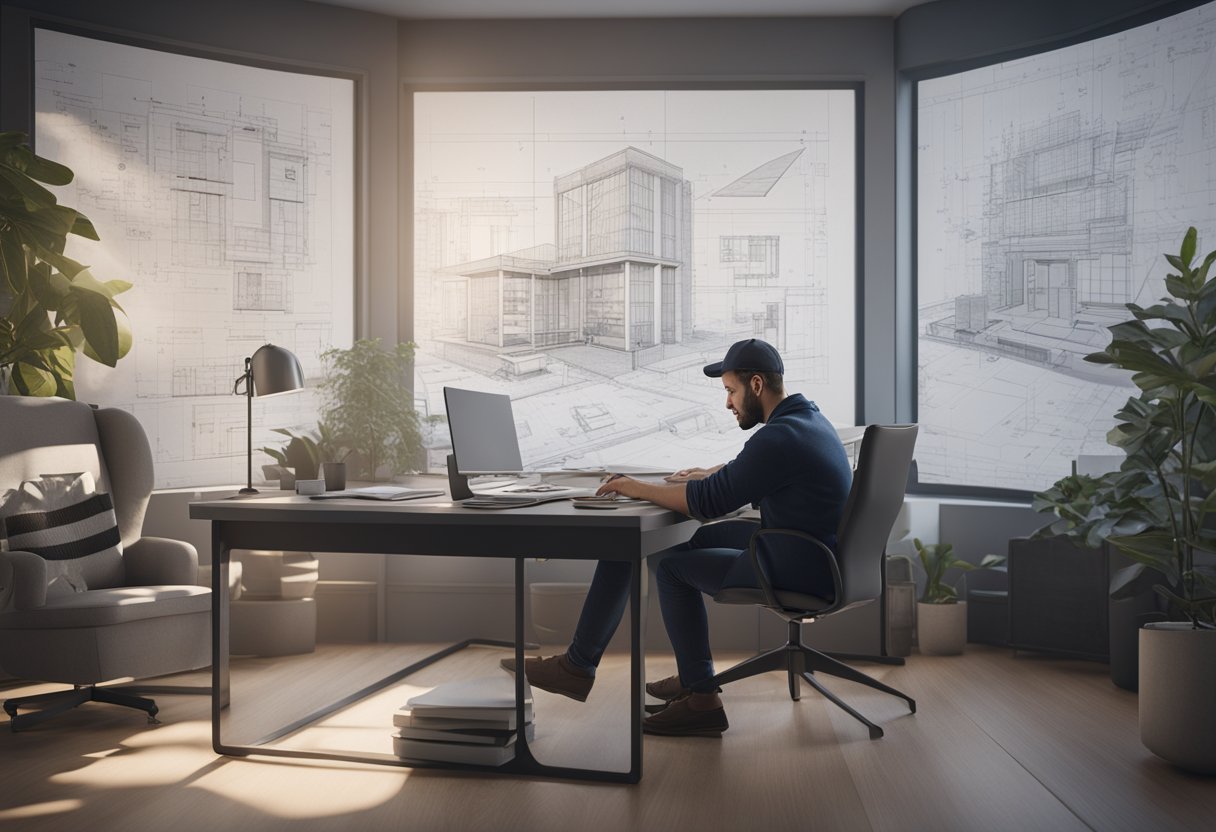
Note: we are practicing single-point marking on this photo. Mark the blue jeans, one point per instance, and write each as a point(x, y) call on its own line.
point(713, 558)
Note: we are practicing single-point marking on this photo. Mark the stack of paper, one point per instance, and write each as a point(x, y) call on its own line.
point(462, 722)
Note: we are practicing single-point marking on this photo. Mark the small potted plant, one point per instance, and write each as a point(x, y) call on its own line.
point(308, 456)
point(941, 619)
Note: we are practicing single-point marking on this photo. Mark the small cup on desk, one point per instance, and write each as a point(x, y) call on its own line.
point(310, 487)
point(334, 474)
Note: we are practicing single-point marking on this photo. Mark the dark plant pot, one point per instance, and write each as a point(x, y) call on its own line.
point(1127, 616)
point(335, 475)
point(1059, 598)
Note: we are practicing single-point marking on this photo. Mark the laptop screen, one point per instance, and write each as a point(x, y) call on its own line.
point(482, 427)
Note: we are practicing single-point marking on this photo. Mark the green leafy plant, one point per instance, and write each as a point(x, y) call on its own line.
point(50, 305)
point(936, 558)
point(1156, 508)
point(368, 404)
point(305, 452)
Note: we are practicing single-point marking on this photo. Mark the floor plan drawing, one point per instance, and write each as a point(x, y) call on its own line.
point(225, 194)
point(1048, 189)
point(589, 252)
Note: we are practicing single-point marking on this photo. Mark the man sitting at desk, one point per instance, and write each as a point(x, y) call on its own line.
point(795, 470)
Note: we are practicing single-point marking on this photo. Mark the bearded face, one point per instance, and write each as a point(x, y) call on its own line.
point(742, 401)
point(751, 413)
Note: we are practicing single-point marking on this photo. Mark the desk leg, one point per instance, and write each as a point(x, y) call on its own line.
point(522, 752)
point(220, 686)
point(637, 668)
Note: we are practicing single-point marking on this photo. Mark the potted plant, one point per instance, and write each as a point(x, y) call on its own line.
point(941, 619)
point(369, 404)
point(50, 305)
point(306, 455)
point(1157, 508)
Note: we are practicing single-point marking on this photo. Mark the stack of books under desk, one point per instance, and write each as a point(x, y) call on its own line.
point(470, 722)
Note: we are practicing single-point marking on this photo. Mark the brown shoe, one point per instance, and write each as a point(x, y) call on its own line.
point(555, 674)
point(693, 715)
point(668, 689)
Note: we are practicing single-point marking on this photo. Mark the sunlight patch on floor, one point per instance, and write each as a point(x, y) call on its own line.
point(38, 810)
point(167, 755)
point(295, 791)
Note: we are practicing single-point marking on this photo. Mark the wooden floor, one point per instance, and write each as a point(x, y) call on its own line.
point(999, 742)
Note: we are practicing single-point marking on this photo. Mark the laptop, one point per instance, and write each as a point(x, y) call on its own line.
point(484, 443)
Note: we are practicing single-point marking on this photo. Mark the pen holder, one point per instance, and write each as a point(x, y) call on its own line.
point(335, 475)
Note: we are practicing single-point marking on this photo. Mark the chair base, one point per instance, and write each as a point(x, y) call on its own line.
point(53, 704)
point(801, 663)
point(867, 657)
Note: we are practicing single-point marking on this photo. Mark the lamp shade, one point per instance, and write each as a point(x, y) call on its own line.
point(275, 370)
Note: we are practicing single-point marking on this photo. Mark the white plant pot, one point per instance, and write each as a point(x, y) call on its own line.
point(1178, 694)
point(941, 629)
point(272, 574)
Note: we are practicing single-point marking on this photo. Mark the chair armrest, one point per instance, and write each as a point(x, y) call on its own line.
point(22, 580)
point(770, 597)
point(152, 561)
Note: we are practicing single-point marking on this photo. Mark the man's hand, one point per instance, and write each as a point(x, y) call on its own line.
point(619, 484)
point(668, 496)
point(688, 474)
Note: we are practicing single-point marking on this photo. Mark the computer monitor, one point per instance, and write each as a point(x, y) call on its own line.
point(482, 427)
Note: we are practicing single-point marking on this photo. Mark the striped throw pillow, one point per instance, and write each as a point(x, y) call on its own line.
point(77, 531)
point(61, 519)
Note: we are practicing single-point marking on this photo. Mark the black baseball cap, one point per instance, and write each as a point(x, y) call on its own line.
point(753, 354)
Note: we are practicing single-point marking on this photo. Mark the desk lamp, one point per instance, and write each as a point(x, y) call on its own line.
point(269, 371)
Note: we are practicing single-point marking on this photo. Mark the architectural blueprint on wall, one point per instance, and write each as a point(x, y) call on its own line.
point(1048, 189)
point(589, 252)
point(224, 193)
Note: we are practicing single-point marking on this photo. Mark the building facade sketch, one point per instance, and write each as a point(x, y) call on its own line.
point(589, 252)
point(1048, 188)
point(225, 194)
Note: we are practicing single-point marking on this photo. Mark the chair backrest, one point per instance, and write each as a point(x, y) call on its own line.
point(869, 514)
point(56, 436)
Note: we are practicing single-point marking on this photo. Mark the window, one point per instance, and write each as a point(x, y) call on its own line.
point(622, 235)
point(1044, 202)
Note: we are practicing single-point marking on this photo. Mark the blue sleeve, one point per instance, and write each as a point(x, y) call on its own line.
point(759, 470)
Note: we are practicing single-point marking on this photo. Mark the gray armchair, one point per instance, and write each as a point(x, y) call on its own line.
point(139, 616)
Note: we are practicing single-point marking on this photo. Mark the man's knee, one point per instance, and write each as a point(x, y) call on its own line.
point(670, 573)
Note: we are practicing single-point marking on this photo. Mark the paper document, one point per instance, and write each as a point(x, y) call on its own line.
point(382, 492)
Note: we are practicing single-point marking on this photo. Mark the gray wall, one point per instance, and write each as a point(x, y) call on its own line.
point(732, 51)
point(283, 33)
point(951, 31)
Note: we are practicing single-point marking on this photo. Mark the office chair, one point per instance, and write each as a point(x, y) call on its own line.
point(874, 501)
